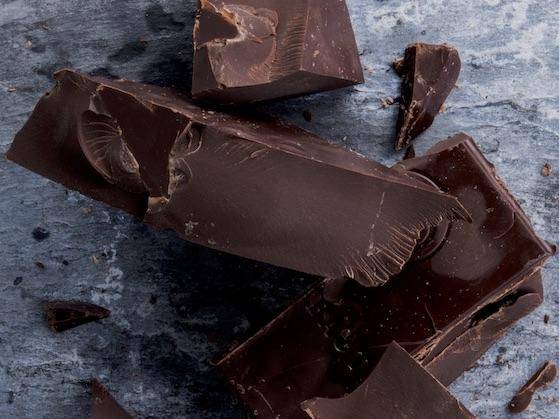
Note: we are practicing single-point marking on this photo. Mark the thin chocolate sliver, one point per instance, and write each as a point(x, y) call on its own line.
point(254, 187)
point(255, 50)
point(104, 405)
point(398, 388)
point(429, 73)
point(466, 284)
point(64, 315)
point(542, 378)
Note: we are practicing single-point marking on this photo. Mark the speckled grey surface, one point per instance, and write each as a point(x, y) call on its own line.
point(176, 306)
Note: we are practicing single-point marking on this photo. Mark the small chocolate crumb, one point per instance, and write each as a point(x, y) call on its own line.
point(40, 234)
point(387, 102)
point(11, 397)
point(307, 115)
point(40, 265)
point(18, 280)
point(547, 170)
point(546, 318)
point(65, 262)
point(153, 299)
point(542, 378)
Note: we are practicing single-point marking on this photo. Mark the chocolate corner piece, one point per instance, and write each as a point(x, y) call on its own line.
point(542, 378)
point(104, 405)
point(429, 73)
point(398, 387)
point(64, 315)
point(253, 50)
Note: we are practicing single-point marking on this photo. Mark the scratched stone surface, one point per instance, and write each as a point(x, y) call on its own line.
point(176, 306)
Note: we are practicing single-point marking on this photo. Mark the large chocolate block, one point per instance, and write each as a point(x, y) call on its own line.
point(254, 50)
point(253, 187)
point(398, 388)
point(467, 284)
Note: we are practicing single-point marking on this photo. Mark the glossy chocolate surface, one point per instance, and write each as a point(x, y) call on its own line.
point(429, 73)
point(398, 388)
point(253, 187)
point(103, 404)
point(255, 50)
point(329, 341)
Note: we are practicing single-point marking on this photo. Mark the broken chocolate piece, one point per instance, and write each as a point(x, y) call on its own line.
point(103, 404)
point(255, 50)
point(398, 387)
point(481, 276)
point(429, 73)
point(64, 315)
point(546, 318)
point(253, 187)
point(542, 378)
point(307, 115)
point(410, 153)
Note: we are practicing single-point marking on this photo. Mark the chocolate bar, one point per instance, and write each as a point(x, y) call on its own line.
point(103, 404)
point(398, 387)
point(429, 73)
point(253, 187)
point(255, 50)
point(467, 282)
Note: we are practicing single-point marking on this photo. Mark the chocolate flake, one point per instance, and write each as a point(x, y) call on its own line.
point(542, 378)
point(307, 115)
point(64, 315)
point(547, 170)
point(546, 318)
point(398, 387)
point(429, 73)
point(104, 405)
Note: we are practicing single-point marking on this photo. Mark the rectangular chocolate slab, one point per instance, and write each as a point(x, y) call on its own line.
point(473, 278)
point(254, 187)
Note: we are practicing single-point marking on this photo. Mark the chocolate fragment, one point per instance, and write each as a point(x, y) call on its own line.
point(542, 378)
point(547, 170)
point(398, 387)
point(307, 115)
point(64, 315)
point(253, 187)
point(410, 153)
point(429, 73)
point(255, 50)
point(546, 318)
point(103, 404)
point(445, 308)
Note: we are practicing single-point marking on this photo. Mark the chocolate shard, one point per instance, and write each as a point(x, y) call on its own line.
point(64, 315)
point(253, 187)
point(255, 50)
point(398, 387)
point(429, 73)
point(542, 378)
point(464, 286)
point(103, 404)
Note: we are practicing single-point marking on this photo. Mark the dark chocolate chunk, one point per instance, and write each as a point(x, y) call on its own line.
point(542, 378)
point(40, 265)
point(254, 50)
point(253, 187)
point(547, 170)
point(429, 73)
point(103, 404)
point(398, 388)
point(40, 234)
point(64, 315)
point(445, 308)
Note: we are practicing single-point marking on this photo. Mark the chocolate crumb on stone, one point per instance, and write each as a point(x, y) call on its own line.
point(547, 170)
point(40, 234)
point(546, 318)
point(307, 115)
point(64, 315)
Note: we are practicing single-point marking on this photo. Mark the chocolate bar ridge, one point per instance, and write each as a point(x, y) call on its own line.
point(254, 187)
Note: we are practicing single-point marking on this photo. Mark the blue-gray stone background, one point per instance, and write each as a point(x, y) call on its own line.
point(176, 306)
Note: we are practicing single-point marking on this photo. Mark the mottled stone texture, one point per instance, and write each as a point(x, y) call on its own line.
point(176, 306)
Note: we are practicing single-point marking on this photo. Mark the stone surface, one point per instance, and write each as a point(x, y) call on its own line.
point(176, 306)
